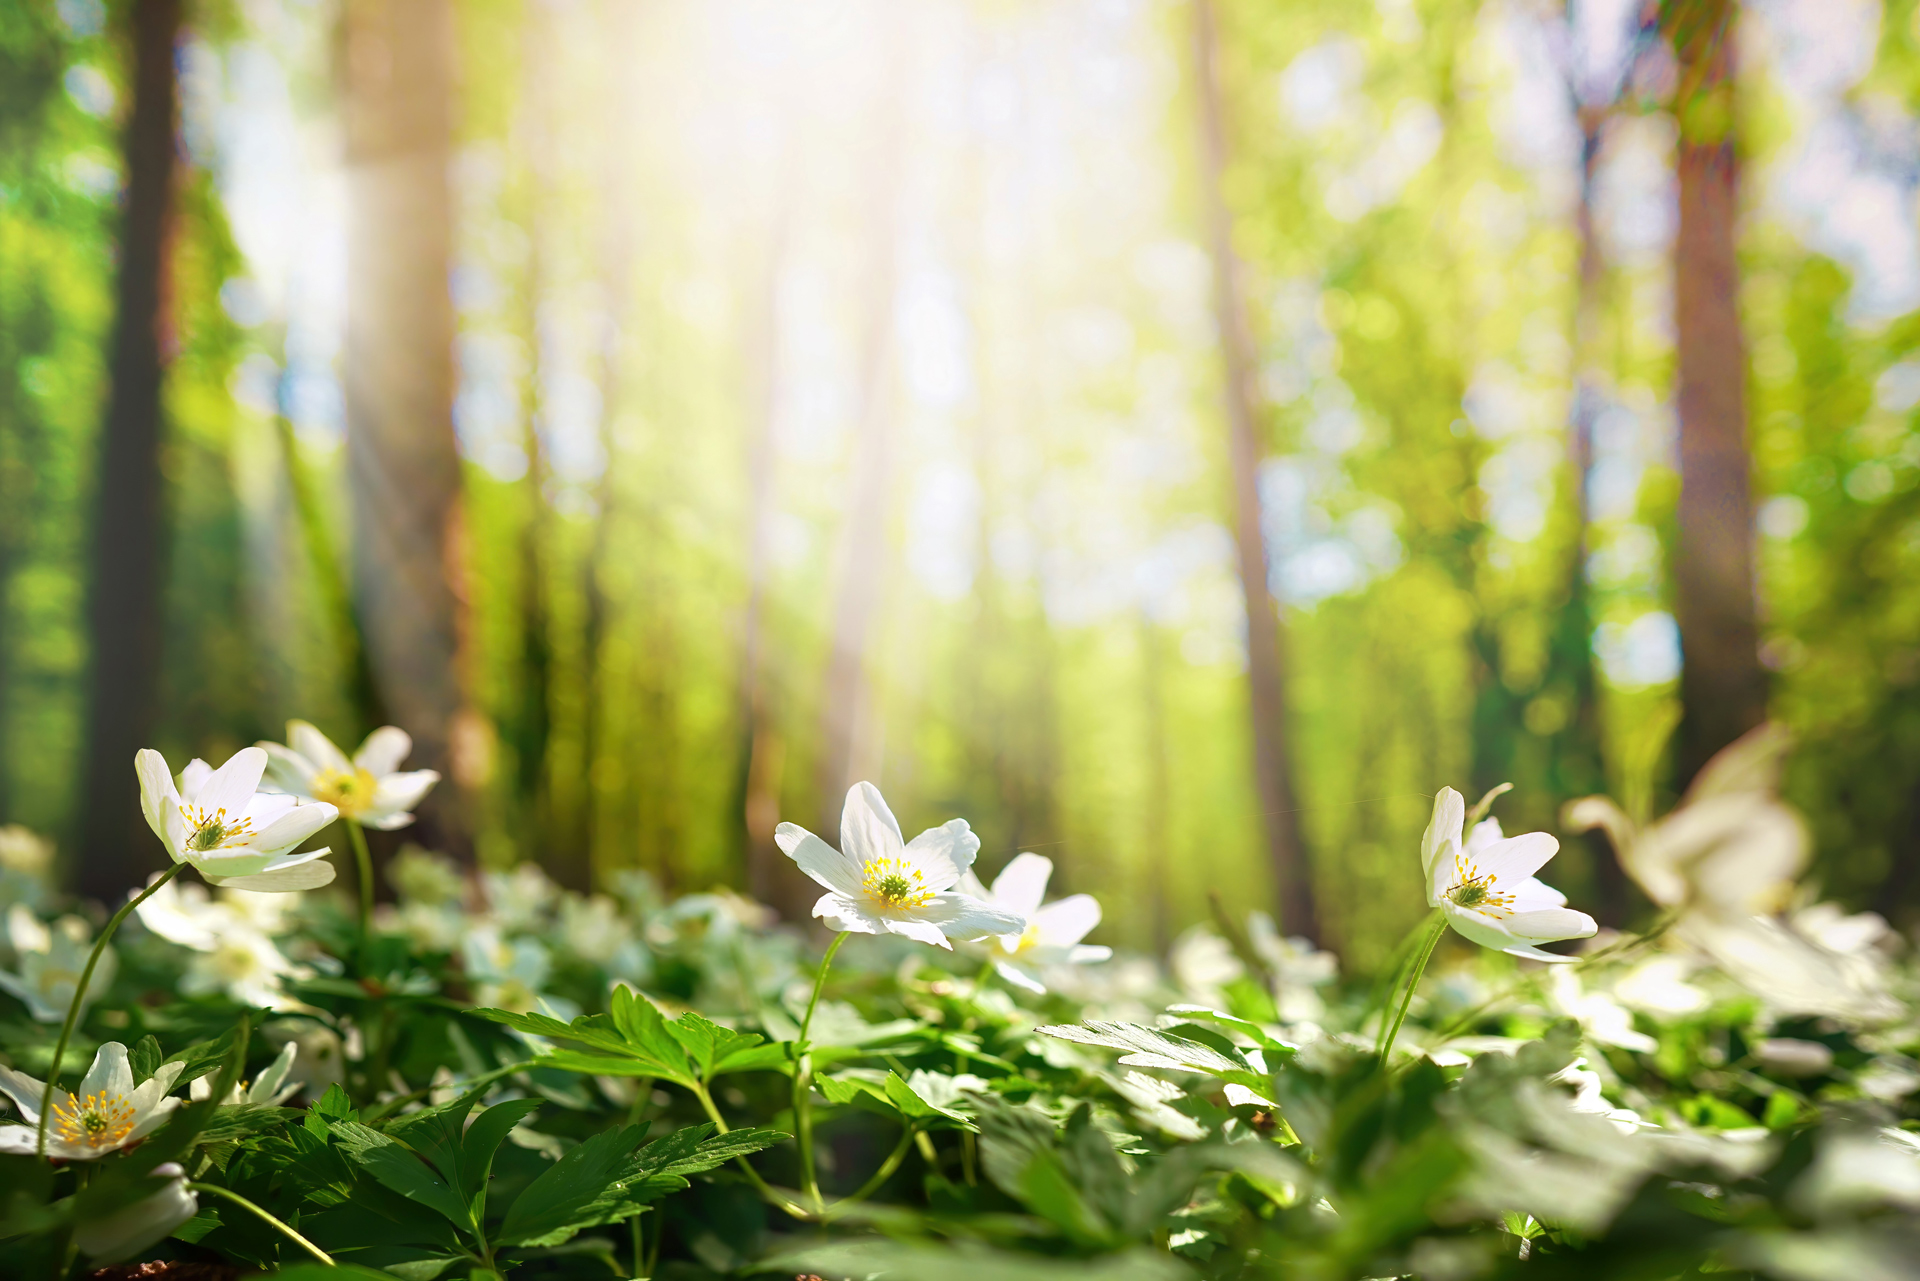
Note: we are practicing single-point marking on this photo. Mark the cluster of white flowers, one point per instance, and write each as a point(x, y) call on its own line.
point(878, 882)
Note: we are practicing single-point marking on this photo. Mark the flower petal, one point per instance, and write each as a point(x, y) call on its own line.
point(943, 853)
point(110, 1073)
point(266, 807)
point(284, 879)
point(193, 778)
point(287, 770)
point(1019, 977)
point(868, 829)
point(1518, 857)
point(1534, 953)
point(1477, 927)
point(394, 797)
point(1022, 884)
point(293, 827)
point(845, 915)
point(23, 1140)
point(1533, 894)
point(1088, 953)
point(25, 1091)
point(157, 794)
point(153, 1120)
point(919, 931)
point(231, 786)
point(1550, 924)
point(317, 747)
point(968, 919)
point(1065, 923)
point(1484, 833)
point(1443, 873)
point(819, 860)
point(1449, 813)
point(383, 751)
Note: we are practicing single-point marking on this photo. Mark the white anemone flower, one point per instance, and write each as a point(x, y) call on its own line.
point(109, 1112)
point(371, 788)
point(1485, 884)
point(50, 960)
point(271, 1088)
point(233, 834)
point(1053, 932)
point(880, 883)
point(233, 954)
point(147, 1222)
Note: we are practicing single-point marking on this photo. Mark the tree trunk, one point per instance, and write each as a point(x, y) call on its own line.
point(847, 692)
point(1577, 761)
point(129, 532)
point(1292, 879)
point(1723, 690)
point(403, 465)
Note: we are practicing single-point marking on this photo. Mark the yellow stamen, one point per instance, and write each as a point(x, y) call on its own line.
point(97, 1120)
point(896, 883)
point(213, 831)
point(349, 791)
point(1474, 889)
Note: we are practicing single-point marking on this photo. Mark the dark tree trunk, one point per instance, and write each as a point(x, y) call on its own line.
point(124, 599)
point(403, 465)
point(1286, 859)
point(1723, 690)
point(1577, 761)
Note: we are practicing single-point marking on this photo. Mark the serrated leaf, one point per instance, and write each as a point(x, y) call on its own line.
point(707, 1044)
point(561, 1201)
point(1149, 1047)
point(145, 1058)
point(631, 1040)
point(238, 1120)
point(1260, 1036)
point(401, 1170)
point(483, 1139)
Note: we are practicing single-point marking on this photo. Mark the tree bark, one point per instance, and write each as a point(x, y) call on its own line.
point(403, 464)
point(1723, 689)
point(847, 692)
point(129, 528)
point(1292, 879)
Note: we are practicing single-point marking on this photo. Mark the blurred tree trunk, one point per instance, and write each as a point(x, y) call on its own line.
point(772, 878)
point(403, 464)
point(846, 696)
point(622, 19)
point(1723, 690)
point(129, 530)
point(1286, 858)
point(532, 730)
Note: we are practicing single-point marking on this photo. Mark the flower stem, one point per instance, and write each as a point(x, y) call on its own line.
point(264, 1217)
point(803, 1083)
point(363, 866)
point(80, 997)
point(1435, 929)
point(880, 1176)
point(753, 1175)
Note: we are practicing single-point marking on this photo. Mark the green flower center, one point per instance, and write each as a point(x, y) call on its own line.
point(1472, 894)
point(895, 883)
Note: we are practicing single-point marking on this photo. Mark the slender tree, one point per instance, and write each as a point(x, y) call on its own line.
point(1723, 689)
point(847, 692)
point(1266, 679)
point(129, 524)
point(403, 465)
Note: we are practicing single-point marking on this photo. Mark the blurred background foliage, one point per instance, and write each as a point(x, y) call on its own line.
point(838, 392)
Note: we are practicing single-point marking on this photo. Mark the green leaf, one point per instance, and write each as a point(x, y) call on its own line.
point(399, 1168)
point(561, 1201)
point(338, 1272)
point(632, 1040)
point(690, 1151)
point(965, 1261)
point(334, 1105)
point(484, 1137)
point(706, 1043)
point(1148, 1047)
point(771, 1057)
point(145, 1058)
point(1268, 1042)
point(238, 1120)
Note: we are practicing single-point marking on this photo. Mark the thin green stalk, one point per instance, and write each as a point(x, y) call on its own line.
point(639, 1240)
point(803, 1084)
point(363, 865)
point(264, 1217)
point(80, 997)
point(1434, 931)
point(880, 1176)
point(753, 1175)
